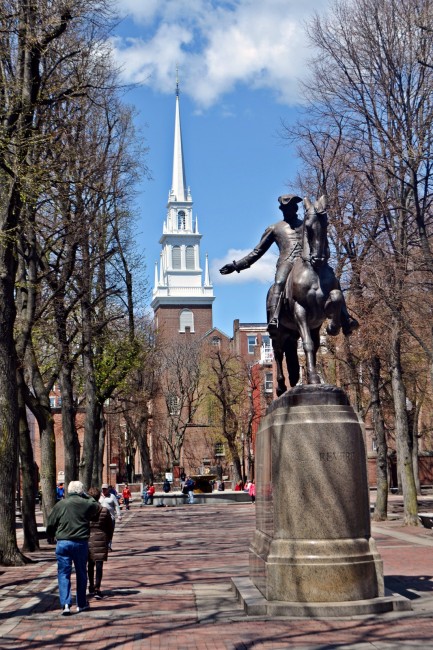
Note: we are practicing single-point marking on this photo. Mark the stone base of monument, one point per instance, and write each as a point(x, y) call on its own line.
point(312, 553)
point(255, 604)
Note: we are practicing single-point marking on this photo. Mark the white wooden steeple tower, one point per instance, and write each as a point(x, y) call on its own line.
point(182, 294)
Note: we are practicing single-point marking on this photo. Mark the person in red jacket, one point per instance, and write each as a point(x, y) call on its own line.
point(126, 494)
point(149, 494)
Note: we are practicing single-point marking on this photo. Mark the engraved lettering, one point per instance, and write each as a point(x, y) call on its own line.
point(336, 455)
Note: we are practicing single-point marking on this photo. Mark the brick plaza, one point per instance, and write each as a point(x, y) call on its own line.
point(167, 585)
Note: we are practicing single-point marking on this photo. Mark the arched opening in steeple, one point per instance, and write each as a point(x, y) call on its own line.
point(181, 220)
point(176, 258)
point(190, 258)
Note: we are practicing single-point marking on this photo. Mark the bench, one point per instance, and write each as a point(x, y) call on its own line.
point(426, 519)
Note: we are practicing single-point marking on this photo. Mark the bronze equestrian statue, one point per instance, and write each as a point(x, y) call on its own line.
point(305, 292)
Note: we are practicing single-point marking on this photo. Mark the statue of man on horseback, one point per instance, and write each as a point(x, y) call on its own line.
point(289, 235)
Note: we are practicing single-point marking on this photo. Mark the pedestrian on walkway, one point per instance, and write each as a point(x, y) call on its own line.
point(189, 489)
point(69, 524)
point(101, 533)
point(110, 502)
point(252, 491)
point(126, 494)
point(149, 494)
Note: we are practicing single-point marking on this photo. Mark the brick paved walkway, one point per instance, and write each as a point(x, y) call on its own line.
point(168, 586)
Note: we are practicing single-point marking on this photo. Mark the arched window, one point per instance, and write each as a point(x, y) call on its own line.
point(181, 220)
point(189, 255)
point(176, 259)
point(186, 320)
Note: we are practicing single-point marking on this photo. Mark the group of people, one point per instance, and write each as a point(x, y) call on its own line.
point(247, 486)
point(83, 525)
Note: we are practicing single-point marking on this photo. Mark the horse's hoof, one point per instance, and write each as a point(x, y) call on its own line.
point(332, 329)
point(314, 379)
point(281, 391)
point(351, 325)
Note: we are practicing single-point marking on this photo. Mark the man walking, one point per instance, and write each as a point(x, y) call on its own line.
point(69, 524)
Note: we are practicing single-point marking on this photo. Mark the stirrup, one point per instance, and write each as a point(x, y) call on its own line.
point(273, 327)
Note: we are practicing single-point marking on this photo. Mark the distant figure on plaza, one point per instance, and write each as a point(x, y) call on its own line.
point(60, 491)
point(252, 491)
point(239, 486)
point(112, 490)
point(220, 486)
point(287, 234)
point(182, 477)
point(148, 498)
point(101, 533)
point(189, 489)
point(166, 487)
point(110, 502)
point(126, 494)
point(69, 523)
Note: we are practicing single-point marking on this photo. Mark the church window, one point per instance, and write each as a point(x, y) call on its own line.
point(186, 320)
point(181, 220)
point(190, 257)
point(176, 258)
point(216, 341)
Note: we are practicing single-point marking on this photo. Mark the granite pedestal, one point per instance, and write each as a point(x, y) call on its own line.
point(312, 550)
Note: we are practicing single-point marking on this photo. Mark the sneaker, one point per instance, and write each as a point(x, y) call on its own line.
point(98, 595)
point(66, 611)
point(83, 609)
point(91, 592)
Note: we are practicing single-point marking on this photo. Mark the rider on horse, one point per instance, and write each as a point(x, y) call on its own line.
point(287, 234)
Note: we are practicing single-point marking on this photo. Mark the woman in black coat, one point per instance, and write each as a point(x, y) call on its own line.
point(101, 533)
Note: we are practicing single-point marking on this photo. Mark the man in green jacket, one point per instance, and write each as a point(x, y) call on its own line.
point(69, 524)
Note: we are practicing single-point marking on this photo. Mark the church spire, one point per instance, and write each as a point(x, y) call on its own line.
point(179, 190)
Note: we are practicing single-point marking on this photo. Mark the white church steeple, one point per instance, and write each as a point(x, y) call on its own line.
point(179, 281)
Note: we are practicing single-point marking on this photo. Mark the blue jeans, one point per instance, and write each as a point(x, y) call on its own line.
point(190, 496)
point(67, 552)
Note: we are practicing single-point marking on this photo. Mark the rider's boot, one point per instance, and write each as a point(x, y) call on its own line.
point(275, 311)
point(348, 323)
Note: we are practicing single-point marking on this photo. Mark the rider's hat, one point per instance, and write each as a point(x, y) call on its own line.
point(285, 199)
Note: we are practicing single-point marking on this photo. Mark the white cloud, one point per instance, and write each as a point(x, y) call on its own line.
point(217, 44)
point(262, 271)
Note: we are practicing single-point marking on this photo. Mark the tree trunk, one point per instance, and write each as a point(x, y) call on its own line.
point(70, 436)
point(39, 404)
point(31, 541)
point(404, 452)
point(381, 507)
point(90, 402)
point(9, 418)
point(98, 464)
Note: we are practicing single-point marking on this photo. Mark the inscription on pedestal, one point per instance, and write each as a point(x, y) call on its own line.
point(336, 455)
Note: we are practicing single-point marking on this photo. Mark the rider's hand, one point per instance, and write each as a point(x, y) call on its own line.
point(228, 268)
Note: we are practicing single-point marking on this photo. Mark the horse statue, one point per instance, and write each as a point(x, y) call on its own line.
point(312, 294)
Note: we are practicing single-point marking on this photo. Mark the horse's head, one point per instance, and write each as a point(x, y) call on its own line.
point(315, 249)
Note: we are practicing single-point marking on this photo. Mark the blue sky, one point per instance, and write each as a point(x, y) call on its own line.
point(239, 65)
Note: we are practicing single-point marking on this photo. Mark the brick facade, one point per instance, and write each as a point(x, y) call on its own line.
point(167, 321)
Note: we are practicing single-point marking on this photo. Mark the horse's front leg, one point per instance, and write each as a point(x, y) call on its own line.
point(307, 343)
point(281, 382)
point(333, 311)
